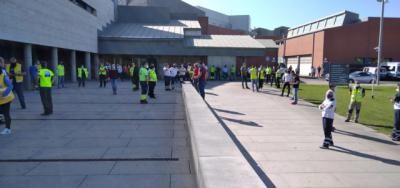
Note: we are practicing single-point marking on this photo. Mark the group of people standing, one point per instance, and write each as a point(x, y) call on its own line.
point(225, 73)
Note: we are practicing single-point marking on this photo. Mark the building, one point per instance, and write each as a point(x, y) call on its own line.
point(339, 39)
point(117, 31)
point(233, 22)
point(276, 34)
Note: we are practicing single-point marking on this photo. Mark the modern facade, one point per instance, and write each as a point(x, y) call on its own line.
point(122, 31)
point(341, 38)
point(234, 22)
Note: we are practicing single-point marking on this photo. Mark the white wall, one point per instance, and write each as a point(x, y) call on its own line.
point(105, 11)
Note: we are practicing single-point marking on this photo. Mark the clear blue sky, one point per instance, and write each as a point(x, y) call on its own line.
point(274, 13)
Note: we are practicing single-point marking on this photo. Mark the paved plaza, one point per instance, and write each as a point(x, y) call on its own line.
point(96, 139)
point(284, 142)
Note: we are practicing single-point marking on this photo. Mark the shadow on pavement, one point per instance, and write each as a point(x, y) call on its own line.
point(347, 133)
point(247, 123)
point(209, 93)
point(229, 112)
point(364, 155)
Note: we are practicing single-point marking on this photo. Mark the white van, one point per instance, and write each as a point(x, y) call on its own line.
point(393, 69)
point(373, 70)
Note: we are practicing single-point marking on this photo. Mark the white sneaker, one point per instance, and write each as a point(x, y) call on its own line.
point(6, 131)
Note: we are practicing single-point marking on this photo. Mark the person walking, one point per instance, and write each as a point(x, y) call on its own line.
point(167, 77)
point(46, 79)
point(328, 115)
point(152, 81)
point(16, 74)
point(261, 77)
point(396, 106)
point(244, 75)
point(82, 75)
point(113, 74)
point(144, 78)
point(232, 76)
point(102, 76)
point(60, 75)
point(357, 94)
point(254, 78)
point(33, 71)
point(6, 97)
point(195, 77)
point(287, 78)
point(296, 86)
point(134, 74)
point(201, 76)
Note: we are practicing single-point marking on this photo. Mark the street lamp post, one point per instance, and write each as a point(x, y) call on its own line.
point(380, 47)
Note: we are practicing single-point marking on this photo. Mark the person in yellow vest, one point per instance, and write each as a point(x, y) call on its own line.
point(144, 78)
point(278, 76)
point(268, 72)
point(152, 81)
point(46, 79)
point(16, 74)
point(357, 94)
point(60, 75)
point(134, 74)
point(213, 72)
point(82, 75)
point(261, 77)
point(6, 97)
point(102, 75)
point(232, 75)
point(254, 78)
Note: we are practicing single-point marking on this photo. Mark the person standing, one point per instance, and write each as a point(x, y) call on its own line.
point(16, 74)
point(134, 74)
point(328, 115)
point(296, 86)
point(218, 73)
point(6, 98)
point(273, 76)
point(144, 78)
point(357, 94)
point(268, 72)
point(173, 76)
point(33, 71)
point(312, 72)
point(396, 106)
point(46, 79)
point(287, 78)
point(261, 77)
point(120, 71)
point(195, 77)
point(244, 75)
point(319, 71)
point(201, 76)
point(213, 71)
point(152, 81)
point(102, 76)
point(82, 75)
point(60, 75)
point(254, 78)
point(232, 76)
point(182, 74)
point(167, 77)
point(113, 74)
point(278, 76)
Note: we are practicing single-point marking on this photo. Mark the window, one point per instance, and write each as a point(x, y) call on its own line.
point(339, 20)
point(322, 24)
point(331, 22)
point(307, 28)
point(314, 26)
point(85, 6)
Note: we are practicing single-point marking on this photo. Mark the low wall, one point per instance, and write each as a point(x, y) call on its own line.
point(217, 160)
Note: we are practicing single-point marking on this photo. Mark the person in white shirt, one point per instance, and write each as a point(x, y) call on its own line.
point(287, 78)
point(396, 106)
point(328, 108)
point(182, 73)
point(173, 75)
point(120, 71)
point(225, 72)
point(167, 77)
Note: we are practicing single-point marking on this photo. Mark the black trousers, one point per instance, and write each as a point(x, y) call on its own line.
point(286, 85)
point(47, 101)
point(396, 126)
point(103, 81)
point(278, 82)
point(244, 82)
point(19, 91)
point(152, 86)
point(5, 111)
point(81, 82)
point(272, 80)
point(261, 83)
point(135, 82)
point(328, 126)
point(167, 82)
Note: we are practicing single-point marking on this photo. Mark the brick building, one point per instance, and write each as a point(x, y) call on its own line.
point(339, 39)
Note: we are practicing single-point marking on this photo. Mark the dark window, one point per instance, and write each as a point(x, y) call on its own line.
point(85, 6)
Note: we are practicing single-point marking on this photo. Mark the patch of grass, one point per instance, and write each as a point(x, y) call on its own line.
point(376, 113)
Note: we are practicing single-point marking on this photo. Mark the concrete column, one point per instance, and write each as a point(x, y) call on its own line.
point(96, 66)
point(88, 65)
point(27, 64)
point(54, 61)
point(73, 66)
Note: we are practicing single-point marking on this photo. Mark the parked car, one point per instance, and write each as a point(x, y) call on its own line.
point(373, 70)
point(393, 70)
point(362, 77)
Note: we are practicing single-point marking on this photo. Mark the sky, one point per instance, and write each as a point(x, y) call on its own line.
point(274, 13)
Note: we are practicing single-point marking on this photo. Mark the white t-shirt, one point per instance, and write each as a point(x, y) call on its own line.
point(119, 68)
point(328, 108)
point(173, 71)
point(166, 71)
point(225, 69)
point(287, 77)
point(182, 71)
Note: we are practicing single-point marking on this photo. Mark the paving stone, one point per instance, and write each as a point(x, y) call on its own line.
point(72, 168)
point(16, 169)
point(152, 167)
point(40, 181)
point(127, 181)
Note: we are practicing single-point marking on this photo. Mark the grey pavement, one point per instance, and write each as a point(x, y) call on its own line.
point(284, 141)
point(96, 139)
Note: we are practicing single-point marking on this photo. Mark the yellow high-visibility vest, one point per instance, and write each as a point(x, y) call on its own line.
point(45, 77)
point(17, 72)
point(10, 97)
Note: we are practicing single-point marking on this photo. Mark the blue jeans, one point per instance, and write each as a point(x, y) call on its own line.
point(296, 94)
point(60, 82)
point(254, 85)
point(20, 93)
point(114, 85)
point(202, 87)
